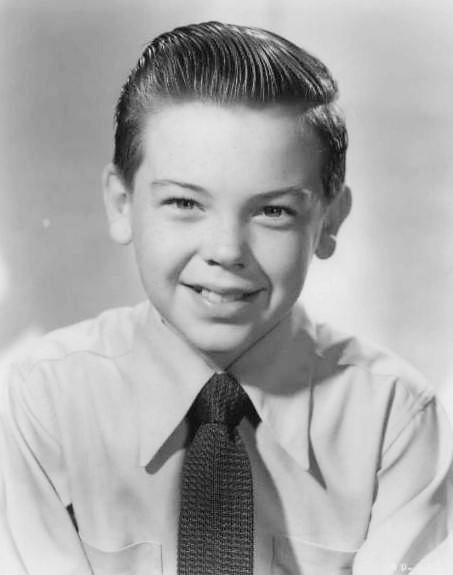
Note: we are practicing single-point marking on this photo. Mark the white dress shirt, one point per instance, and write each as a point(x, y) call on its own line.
point(349, 456)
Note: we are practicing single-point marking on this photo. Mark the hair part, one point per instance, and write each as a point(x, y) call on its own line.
point(228, 64)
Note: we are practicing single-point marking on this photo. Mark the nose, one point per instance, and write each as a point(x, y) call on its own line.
point(226, 245)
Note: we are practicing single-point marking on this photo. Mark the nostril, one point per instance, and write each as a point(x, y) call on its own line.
point(226, 250)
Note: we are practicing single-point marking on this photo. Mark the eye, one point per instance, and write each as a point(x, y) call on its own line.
point(181, 203)
point(277, 211)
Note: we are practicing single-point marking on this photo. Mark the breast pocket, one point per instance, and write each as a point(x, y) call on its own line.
point(298, 557)
point(144, 558)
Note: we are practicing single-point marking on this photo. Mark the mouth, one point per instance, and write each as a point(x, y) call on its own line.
point(223, 296)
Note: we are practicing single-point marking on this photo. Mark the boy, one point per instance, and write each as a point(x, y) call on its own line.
point(216, 429)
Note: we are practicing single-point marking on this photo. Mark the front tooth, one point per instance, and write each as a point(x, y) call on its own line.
point(214, 297)
point(211, 296)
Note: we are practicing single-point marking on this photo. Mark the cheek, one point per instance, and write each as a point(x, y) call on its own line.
point(285, 259)
point(160, 251)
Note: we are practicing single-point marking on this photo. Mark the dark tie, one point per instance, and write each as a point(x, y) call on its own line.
point(216, 517)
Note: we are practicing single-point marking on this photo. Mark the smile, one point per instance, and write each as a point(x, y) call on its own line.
point(214, 297)
point(222, 296)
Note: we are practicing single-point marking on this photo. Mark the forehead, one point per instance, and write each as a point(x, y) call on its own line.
point(210, 143)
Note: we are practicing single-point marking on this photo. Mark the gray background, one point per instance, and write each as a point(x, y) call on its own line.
point(62, 64)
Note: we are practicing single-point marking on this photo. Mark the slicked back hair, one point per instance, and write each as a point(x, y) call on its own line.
point(228, 64)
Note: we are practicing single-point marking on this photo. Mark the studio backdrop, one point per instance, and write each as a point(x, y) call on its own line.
point(62, 65)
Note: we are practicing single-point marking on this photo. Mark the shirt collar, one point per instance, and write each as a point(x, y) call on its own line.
point(277, 375)
point(275, 372)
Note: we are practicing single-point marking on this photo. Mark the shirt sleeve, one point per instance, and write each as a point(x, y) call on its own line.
point(409, 516)
point(37, 536)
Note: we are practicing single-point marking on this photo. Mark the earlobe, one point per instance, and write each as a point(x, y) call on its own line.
point(326, 245)
point(117, 200)
point(337, 211)
point(120, 231)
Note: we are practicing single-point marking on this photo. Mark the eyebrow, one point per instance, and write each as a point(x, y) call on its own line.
point(297, 189)
point(186, 185)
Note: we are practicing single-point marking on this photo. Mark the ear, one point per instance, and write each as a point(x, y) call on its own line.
point(117, 201)
point(336, 212)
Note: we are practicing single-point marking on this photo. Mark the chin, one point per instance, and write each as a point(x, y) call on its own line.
point(223, 342)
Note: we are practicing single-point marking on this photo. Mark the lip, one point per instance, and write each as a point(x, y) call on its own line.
point(226, 291)
point(222, 301)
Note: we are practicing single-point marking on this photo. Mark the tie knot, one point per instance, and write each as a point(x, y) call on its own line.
point(221, 400)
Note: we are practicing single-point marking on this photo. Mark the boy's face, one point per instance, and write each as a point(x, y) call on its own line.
point(225, 216)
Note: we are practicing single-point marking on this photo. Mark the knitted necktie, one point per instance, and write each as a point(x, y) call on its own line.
point(216, 517)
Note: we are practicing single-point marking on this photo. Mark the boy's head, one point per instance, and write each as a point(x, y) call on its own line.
point(226, 65)
point(228, 175)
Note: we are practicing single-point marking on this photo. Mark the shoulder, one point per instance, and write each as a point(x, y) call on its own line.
point(364, 397)
point(354, 351)
point(110, 334)
point(72, 370)
point(65, 356)
point(72, 373)
point(367, 382)
point(341, 350)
